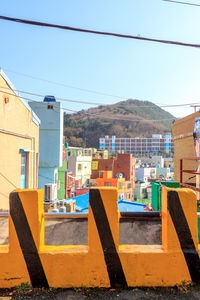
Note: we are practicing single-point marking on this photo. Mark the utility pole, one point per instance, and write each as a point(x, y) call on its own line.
point(195, 107)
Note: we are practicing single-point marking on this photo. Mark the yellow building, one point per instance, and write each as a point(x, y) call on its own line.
point(19, 142)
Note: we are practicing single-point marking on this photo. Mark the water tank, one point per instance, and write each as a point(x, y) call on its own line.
point(62, 208)
point(119, 175)
point(49, 99)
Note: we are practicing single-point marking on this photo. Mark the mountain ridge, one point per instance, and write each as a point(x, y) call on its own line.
point(128, 118)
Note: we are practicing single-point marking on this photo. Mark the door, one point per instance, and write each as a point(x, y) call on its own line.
point(23, 170)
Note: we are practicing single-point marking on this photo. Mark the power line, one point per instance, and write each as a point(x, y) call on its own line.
point(65, 85)
point(8, 180)
point(94, 103)
point(91, 114)
point(29, 99)
point(180, 2)
point(58, 98)
point(46, 177)
point(136, 120)
point(36, 23)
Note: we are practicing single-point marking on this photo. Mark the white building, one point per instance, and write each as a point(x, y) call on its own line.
point(163, 173)
point(81, 168)
point(158, 161)
point(144, 174)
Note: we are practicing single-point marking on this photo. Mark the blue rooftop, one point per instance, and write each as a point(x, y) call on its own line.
point(82, 203)
point(130, 206)
point(49, 99)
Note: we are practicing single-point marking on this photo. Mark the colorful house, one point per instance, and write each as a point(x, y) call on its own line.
point(19, 140)
point(80, 166)
point(123, 164)
point(105, 179)
point(70, 185)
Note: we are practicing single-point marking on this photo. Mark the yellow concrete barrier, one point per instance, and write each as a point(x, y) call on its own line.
point(103, 263)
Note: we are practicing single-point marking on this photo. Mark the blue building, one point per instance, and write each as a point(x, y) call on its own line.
point(50, 113)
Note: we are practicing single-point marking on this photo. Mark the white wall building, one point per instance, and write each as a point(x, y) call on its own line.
point(144, 174)
point(80, 167)
point(158, 160)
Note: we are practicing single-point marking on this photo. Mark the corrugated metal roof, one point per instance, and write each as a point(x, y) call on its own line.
point(82, 203)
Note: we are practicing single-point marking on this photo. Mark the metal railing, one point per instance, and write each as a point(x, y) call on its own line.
point(186, 184)
point(125, 214)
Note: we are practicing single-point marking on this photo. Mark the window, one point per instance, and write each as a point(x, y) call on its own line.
point(129, 186)
point(107, 184)
point(50, 106)
point(6, 100)
point(37, 164)
point(101, 175)
point(121, 185)
point(79, 167)
point(24, 180)
point(118, 165)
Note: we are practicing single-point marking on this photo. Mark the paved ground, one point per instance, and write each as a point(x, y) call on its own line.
point(104, 294)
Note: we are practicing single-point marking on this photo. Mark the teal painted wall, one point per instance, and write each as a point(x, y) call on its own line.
point(157, 192)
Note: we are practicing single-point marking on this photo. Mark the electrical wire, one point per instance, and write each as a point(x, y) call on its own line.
point(46, 177)
point(94, 103)
point(29, 99)
point(8, 180)
point(90, 114)
point(180, 2)
point(64, 85)
point(42, 24)
point(58, 98)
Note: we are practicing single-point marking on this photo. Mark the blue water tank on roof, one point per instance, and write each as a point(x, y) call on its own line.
point(49, 99)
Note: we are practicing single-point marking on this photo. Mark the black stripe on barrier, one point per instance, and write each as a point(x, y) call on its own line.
point(184, 235)
point(113, 263)
point(27, 244)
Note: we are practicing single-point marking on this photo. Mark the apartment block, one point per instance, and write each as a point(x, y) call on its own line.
point(157, 144)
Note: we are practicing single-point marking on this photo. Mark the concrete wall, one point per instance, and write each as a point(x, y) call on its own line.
point(104, 262)
point(51, 139)
point(19, 129)
point(75, 232)
point(182, 131)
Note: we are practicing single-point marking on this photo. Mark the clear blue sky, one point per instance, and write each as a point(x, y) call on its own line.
point(128, 68)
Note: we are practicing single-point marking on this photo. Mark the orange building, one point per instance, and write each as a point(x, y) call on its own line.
point(105, 179)
point(123, 164)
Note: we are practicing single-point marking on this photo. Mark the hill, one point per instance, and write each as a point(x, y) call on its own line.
point(129, 118)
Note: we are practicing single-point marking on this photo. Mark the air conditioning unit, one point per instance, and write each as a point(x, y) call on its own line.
point(50, 192)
